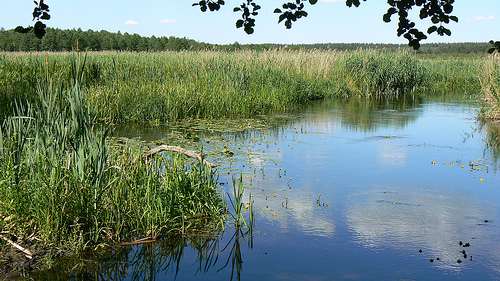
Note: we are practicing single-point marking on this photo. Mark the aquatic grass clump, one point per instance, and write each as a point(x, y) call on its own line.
point(454, 76)
point(490, 83)
point(372, 73)
point(66, 185)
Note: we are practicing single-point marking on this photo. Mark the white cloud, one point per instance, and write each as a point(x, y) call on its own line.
point(131, 22)
point(481, 18)
point(168, 21)
point(332, 1)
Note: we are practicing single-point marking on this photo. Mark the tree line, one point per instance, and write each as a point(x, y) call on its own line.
point(58, 40)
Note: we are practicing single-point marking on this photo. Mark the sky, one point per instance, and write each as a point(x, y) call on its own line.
point(329, 21)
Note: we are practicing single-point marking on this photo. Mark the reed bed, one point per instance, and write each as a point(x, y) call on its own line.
point(131, 87)
point(490, 82)
point(455, 75)
point(66, 185)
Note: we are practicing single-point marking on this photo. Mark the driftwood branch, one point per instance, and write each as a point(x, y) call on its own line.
point(136, 242)
point(178, 149)
point(24, 250)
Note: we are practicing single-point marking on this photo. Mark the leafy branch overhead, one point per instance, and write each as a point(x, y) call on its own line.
point(495, 47)
point(438, 11)
point(41, 12)
point(293, 11)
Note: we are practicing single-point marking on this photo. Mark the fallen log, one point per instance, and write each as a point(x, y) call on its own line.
point(178, 149)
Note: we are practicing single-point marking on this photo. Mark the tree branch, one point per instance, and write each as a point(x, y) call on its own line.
point(178, 149)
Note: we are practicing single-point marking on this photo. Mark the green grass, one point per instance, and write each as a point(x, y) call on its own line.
point(138, 87)
point(490, 82)
point(66, 185)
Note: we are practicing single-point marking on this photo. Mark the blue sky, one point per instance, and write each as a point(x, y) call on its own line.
point(328, 21)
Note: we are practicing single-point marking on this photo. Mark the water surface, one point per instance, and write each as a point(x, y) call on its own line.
point(342, 191)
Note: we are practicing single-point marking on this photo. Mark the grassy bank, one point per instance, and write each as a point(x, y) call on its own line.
point(125, 87)
point(66, 186)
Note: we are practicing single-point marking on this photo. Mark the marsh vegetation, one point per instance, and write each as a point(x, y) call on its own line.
point(167, 86)
point(69, 186)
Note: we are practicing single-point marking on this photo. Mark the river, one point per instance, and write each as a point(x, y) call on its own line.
point(342, 190)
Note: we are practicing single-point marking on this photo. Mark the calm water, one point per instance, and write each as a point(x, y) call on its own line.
point(382, 200)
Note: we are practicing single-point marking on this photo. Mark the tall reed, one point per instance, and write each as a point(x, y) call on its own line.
point(490, 82)
point(66, 184)
point(373, 73)
point(129, 87)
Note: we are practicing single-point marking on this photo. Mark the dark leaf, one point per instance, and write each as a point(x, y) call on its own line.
point(392, 10)
point(386, 17)
point(239, 23)
point(36, 13)
point(281, 18)
point(249, 30)
point(45, 16)
point(423, 14)
point(448, 8)
point(491, 50)
point(39, 29)
point(431, 29)
point(312, 2)
point(21, 29)
point(277, 11)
